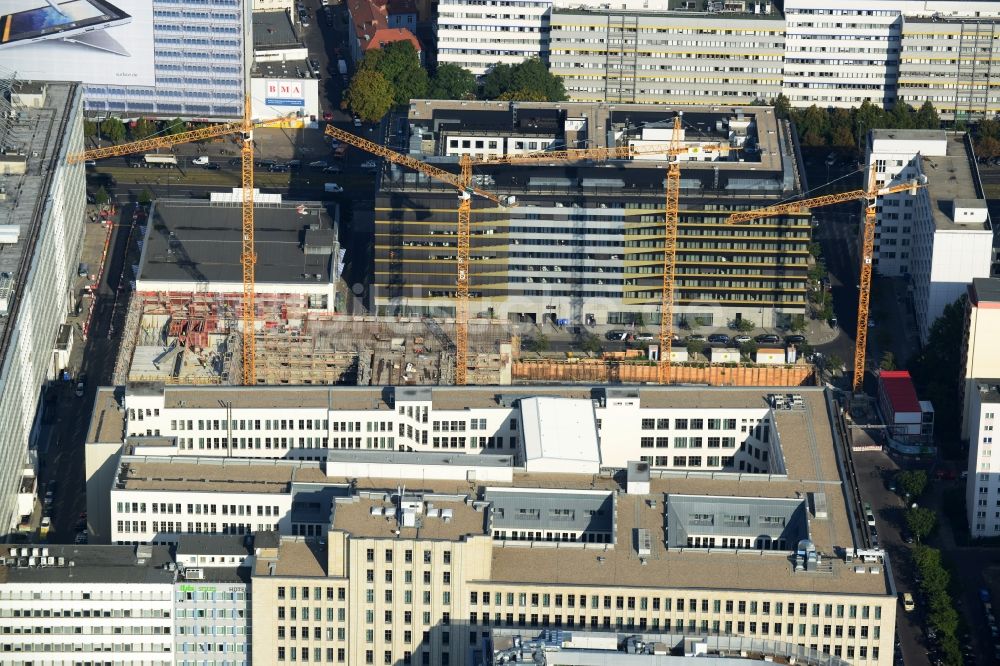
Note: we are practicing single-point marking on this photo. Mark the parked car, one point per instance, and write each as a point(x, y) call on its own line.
point(357, 122)
point(614, 335)
point(767, 339)
point(211, 166)
point(319, 164)
point(327, 116)
point(719, 338)
point(278, 168)
point(332, 169)
point(741, 339)
point(333, 188)
point(795, 339)
point(908, 604)
point(81, 386)
point(645, 337)
point(695, 336)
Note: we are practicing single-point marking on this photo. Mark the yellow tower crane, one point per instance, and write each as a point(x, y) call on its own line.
point(463, 183)
point(247, 256)
point(870, 196)
point(672, 151)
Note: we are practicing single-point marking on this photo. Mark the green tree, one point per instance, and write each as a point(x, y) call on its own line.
point(399, 63)
point(113, 130)
point(888, 361)
point(89, 129)
point(745, 325)
point(912, 482)
point(798, 324)
point(145, 197)
point(927, 117)
point(748, 349)
point(526, 81)
point(591, 343)
point(987, 146)
point(936, 370)
point(538, 344)
point(101, 196)
point(866, 117)
point(175, 126)
point(452, 82)
point(841, 133)
point(817, 271)
point(782, 106)
point(369, 95)
point(921, 522)
point(143, 129)
point(695, 347)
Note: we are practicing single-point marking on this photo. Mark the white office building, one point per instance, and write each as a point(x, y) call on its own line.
point(212, 599)
point(982, 490)
point(86, 604)
point(940, 237)
point(42, 220)
point(665, 427)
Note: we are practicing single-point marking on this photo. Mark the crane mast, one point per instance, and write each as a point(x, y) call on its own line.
point(671, 219)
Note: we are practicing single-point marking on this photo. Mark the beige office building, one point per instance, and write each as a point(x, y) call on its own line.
point(421, 574)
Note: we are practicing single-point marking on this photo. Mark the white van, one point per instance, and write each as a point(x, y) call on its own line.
point(201, 160)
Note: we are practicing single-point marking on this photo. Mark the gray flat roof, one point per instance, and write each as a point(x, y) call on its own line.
point(272, 30)
point(201, 241)
point(952, 179)
point(212, 544)
point(989, 390)
point(747, 517)
point(418, 458)
point(910, 134)
point(986, 290)
point(551, 509)
point(286, 69)
point(90, 564)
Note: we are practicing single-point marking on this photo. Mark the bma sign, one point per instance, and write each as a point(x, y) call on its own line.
point(285, 93)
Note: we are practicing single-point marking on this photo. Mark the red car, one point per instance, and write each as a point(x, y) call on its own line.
point(327, 116)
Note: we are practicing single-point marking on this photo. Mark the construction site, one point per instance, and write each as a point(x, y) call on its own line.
point(196, 339)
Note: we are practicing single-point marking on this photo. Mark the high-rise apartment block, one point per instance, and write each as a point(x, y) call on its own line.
point(833, 54)
point(982, 486)
point(980, 357)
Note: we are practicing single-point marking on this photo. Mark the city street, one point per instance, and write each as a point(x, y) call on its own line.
point(60, 444)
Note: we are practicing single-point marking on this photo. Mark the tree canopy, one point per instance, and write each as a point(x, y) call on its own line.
point(399, 63)
point(370, 96)
point(452, 82)
point(911, 482)
point(113, 130)
point(847, 128)
point(937, 368)
point(528, 81)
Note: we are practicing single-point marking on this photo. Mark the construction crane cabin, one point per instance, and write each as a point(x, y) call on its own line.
point(248, 257)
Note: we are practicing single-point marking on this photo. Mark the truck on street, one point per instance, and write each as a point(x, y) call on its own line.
point(165, 161)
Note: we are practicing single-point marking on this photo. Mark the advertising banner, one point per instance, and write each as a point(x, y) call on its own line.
point(97, 42)
point(284, 93)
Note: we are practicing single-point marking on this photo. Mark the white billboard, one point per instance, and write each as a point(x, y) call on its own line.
point(284, 93)
point(91, 41)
